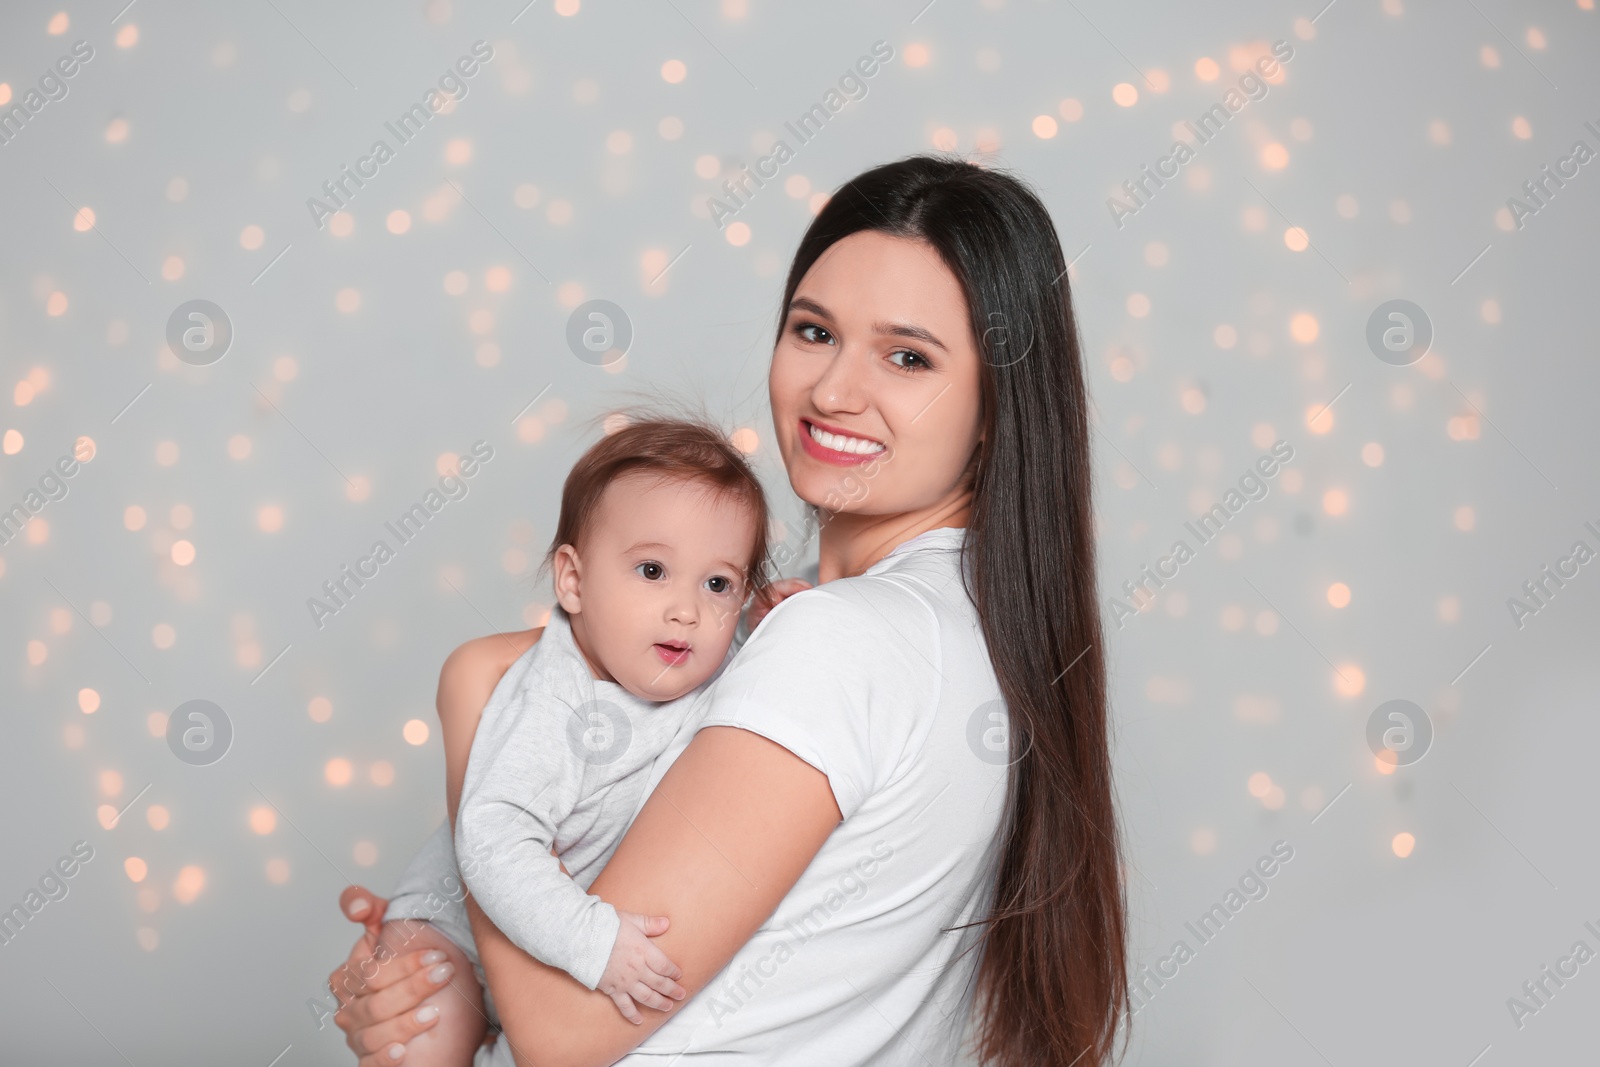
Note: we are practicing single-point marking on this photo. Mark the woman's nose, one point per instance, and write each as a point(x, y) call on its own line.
point(840, 388)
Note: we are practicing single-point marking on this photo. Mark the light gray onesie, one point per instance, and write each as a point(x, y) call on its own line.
point(560, 760)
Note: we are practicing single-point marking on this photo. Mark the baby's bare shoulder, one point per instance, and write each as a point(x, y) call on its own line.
point(474, 668)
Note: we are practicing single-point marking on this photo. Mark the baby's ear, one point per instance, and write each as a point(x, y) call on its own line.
point(566, 574)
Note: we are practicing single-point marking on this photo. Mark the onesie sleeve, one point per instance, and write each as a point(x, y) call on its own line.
point(523, 778)
point(837, 676)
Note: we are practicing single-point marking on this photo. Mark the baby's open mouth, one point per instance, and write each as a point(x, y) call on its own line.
point(673, 653)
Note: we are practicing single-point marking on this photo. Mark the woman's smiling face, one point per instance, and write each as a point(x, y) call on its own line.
point(877, 365)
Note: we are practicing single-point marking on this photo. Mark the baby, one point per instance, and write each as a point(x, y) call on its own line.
point(662, 538)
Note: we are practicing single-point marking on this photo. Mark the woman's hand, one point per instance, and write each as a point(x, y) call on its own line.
point(771, 597)
point(392, 970)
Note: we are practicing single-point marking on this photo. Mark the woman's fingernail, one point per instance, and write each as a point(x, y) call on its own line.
point(440, 974)
point(428, 1014)
point(396, 1051)
point(359, 907)
point(433, 957)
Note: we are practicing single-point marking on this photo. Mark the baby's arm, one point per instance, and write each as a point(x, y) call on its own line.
point(522, 779)
point(466, 682)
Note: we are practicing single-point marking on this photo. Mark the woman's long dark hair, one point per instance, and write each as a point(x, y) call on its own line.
point(1052, 981)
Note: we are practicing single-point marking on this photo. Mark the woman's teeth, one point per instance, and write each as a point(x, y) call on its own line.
point(841, 443)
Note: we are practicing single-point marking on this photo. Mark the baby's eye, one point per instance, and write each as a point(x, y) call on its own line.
point(651, 571)
point(810, 331)
point(719, 584)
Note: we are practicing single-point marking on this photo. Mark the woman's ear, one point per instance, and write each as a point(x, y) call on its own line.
point(566, 568)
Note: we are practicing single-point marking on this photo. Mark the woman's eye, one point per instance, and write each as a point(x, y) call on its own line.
point(719, 584)
point(914, 361)
point(810, 331)
point(651, 571)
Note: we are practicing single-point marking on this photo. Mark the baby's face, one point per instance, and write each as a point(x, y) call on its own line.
point(660, 581)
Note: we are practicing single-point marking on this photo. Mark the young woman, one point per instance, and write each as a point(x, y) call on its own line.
point(892, 835)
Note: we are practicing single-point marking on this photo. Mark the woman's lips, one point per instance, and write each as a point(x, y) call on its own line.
point(673, 655)
point(817, 450)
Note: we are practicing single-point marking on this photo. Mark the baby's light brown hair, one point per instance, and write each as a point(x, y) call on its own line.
point(674, 449)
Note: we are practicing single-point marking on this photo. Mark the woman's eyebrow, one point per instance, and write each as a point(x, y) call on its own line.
point(894, 329)
point(801, 303)
point(916, 333)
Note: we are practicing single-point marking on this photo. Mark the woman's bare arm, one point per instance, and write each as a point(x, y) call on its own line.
point(723, 838)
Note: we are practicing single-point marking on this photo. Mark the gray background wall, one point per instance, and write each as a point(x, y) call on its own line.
point(1428, 116)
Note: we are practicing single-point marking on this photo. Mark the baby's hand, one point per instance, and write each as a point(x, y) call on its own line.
point(771, 597)
point(637, 970)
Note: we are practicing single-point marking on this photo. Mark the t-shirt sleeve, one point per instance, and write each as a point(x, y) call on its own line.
point(835, 675)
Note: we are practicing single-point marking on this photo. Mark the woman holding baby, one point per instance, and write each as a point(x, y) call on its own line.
point(882, 832)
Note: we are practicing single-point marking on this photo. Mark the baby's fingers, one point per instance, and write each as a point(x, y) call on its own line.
point(624, 1004)
point(664, 985)
point(649, 925)
point(657, 961)
point(650, 998)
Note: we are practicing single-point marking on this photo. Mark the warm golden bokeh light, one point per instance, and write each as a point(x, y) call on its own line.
point(415, 732)
point(1349, 680)
point(263, 820)
point(190, 882)
point(1319, 418)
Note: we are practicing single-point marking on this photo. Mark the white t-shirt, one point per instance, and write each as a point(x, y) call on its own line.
point(882, 682)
